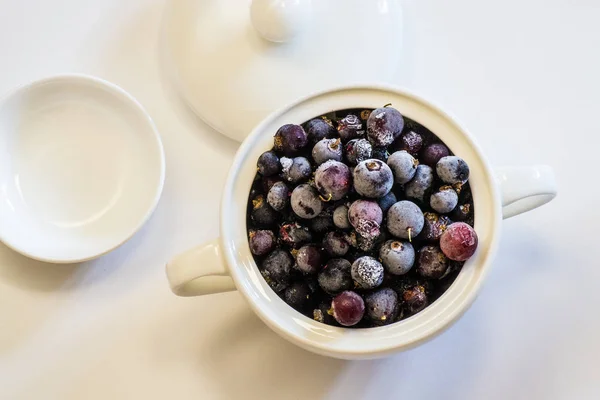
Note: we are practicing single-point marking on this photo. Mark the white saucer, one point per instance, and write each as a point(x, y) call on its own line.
point(81, 168)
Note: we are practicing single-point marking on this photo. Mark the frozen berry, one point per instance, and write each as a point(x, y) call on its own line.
point(366, 217)
point(366, 244)
point(433, 153)
point(278, 196)
point(335, 276)
point(403, 166)
point(348, 308)
point(462, 212)
point(267, 182)
point(340, 217)
point(262, 214)
point(294, 235)
point(324, 314)
point(322, 223)
point(358, 150)
point(306, 202)
point(299, 296)
point(268, 163)
point(350, 127)
point(319, 128)
point(387, 201)
point(261, 242)
point(309, 259)
point(420, 186)
point(435, 225)
point(290, 139)
point(367, 272)
point(397, 257)
point(411, 142)
point(452, 169)
point(444, 200)
point(276, 269)
point(382, 306)
point(335, 244)
point(327, 149)
point(333, 180)
point(431, 263)
point(380, 153)
point(384, 126)
point(415, 299)
point(459, 241)
point(405, 220)
point(295, 169)
point(373, 178)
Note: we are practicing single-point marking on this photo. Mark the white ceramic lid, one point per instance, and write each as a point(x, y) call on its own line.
point(232, 77)
point(81, 168)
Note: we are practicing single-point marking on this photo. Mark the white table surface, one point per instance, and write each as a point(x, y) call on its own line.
point(521, 75)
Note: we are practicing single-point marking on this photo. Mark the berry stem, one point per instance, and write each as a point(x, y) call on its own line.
point(387, 105)
point(326, 199)
point(409, 234)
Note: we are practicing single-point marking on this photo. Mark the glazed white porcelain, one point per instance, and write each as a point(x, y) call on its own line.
point(81, 168)
point(280, 20)
point(227, 264)
point(216, 54)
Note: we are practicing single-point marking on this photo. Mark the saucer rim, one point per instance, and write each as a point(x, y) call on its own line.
point(133, 103)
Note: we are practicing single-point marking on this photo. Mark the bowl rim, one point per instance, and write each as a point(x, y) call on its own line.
point(343, 342)
point(138, 108)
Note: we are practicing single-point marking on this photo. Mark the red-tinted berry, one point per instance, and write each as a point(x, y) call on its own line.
point(411, 142)
point(433, 153)
point(415, 299)
point(459, 241)
point(384, 126)
point(350, 127)
point(348, 308)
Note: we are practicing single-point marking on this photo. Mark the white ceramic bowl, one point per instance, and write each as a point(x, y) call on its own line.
point(81, 168)
point(496, 194)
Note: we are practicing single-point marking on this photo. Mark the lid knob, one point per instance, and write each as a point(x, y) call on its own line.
point(280, 20)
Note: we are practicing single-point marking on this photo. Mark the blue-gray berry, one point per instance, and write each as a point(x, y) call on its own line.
point(306, 202)
point(405, 220)
point(340, 217)
point(421, 184)
point(373, 178)
point(398, 257)
point(403, 166)
point(295, 169)
point(367, 272)
point(444, 200)
point(335, 276)
point(276, 269)
point(387, 201)
point(278, 196)
point(335, 244)
point(382, 306)
point(327, 149)
point(452, 169)
point(268, 163)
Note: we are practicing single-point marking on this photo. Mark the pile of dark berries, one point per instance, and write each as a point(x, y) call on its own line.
point(360, 218)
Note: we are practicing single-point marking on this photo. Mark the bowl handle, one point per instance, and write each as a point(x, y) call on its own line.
point(525, 188)
point(200, 271)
